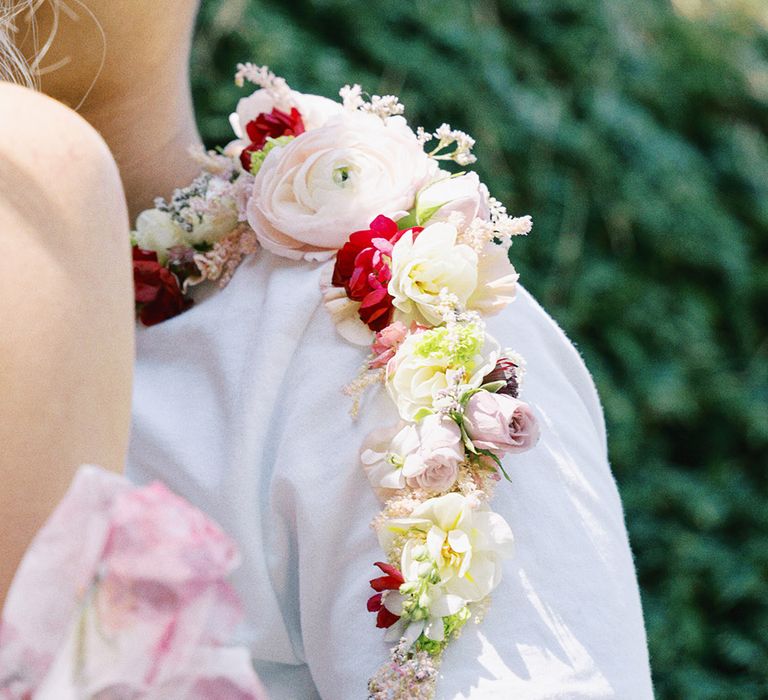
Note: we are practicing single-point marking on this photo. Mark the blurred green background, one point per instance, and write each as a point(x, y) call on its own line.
point(635, 134)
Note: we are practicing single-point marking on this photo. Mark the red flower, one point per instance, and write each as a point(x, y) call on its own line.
point(156, 289)
point(391, 582)
point(363, 269)
point(504, 371)
point(270, 125)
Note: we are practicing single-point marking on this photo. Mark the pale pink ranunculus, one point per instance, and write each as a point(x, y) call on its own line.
point(386, 342)
point(312, 193)
point(434, 466)
point(500, 423)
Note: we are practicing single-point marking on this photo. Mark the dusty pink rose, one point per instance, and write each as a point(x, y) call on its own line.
point(435, 464)
point(386, 342)
point(500, 423)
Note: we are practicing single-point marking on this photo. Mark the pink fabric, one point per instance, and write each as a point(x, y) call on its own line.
point(123, 596)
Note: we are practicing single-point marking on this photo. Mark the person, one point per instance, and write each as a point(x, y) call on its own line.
point(237, 407)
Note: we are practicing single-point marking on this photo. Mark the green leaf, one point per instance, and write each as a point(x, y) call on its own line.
point(493, 387)
point(408, 221)
point(488, 453)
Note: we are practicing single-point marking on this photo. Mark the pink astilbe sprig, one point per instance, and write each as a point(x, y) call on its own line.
point(408, 674)
point(276, 86)
point(222, 260)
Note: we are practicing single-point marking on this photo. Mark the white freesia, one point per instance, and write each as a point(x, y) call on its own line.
point(157, 231)
point(312, 193)
point(344, 312)
point(383, 454)
point(467, 543)
point(416, 379)
point(424, 265)
point(432, 626)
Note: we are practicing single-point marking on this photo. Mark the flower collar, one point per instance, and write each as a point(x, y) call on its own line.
point(420, 259)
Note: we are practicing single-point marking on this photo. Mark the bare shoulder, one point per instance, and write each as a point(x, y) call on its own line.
point(53, 165)
point(35, 125)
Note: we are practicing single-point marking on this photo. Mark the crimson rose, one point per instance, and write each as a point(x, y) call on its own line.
point(363, 268)
point(270, 125)
point(156, 289)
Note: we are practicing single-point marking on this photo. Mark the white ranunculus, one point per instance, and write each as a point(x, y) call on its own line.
point(415, 379)
point(157, 231)
point(463, 194)
point(312, 193)
point(426, 263)
point(314, 109)
point(466, 543)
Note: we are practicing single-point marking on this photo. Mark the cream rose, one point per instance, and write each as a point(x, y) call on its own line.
point(310, 194)
point(419, 371)
point(426, 263)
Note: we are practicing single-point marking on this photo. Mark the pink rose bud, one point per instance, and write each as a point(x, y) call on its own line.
point(500, 423)
point(386, 342)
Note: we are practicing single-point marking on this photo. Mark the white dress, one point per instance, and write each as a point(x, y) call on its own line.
point(238, 407)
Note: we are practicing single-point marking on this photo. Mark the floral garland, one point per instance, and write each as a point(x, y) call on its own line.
point(427, 261)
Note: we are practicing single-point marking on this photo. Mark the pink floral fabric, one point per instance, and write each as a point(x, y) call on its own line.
point(123, 596)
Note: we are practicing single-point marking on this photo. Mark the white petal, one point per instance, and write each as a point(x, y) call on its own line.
point(493, 533)
point(234, 121)
point(394, 633)
point(435, 629)
point(435, 540)
point(413, 631)
point(459, 541)
point(447, 604)
point(393, 601)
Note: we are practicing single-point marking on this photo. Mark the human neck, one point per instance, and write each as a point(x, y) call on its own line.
point(125, 70)
point(150, 130)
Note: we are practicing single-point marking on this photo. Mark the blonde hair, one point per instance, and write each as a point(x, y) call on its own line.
point(15, 67)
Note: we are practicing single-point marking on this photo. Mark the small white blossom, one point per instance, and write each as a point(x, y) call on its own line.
point(383, 106)
point(352, 97)
point(423, 135)
point(461, 142)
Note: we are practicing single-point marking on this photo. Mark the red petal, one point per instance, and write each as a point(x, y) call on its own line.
point(385, 618)
point(384, 226)
point(374, 602)
point(374, 297)
point(386, 583)
point(390, 570)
